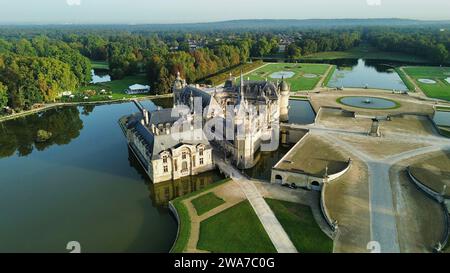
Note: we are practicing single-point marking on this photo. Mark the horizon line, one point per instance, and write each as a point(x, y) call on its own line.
point(213, 21)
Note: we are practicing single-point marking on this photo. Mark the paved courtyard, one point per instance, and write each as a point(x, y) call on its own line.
point(403, 138)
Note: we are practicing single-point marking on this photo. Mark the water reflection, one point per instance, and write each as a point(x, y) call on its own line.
point(368, 102)
point(77, 186)
point(162, 193)
point(19, 135)
point(366, 73)
point(100, 76)
point(263, 169)
point(301, 112)
point(442, 118)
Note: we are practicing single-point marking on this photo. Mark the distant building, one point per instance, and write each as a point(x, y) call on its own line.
point(137, 89)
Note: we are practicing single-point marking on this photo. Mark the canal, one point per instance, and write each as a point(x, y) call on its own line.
point(366, 73)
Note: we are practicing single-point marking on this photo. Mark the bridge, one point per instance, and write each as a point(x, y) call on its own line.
point(139, 106)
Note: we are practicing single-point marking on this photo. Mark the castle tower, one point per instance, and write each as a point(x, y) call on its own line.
point(241, 89)
point(229, 83)
point(178, 85)
point(285, 91)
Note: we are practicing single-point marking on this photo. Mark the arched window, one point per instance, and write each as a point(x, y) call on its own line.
point(184, 166)
point(278, 178)
point(315, 186)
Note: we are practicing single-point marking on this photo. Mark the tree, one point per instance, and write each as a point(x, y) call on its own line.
point(439, 53)
point(261, 47)
point(33, 80)
point(3, 96)
point(293, 52)
point(310, 47)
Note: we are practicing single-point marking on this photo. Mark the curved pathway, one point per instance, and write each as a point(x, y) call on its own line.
point(382, 213)
point(276, 233)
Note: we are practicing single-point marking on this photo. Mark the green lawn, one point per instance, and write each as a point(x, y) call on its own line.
point(235, 230)
point(117, 87)
point(440, 90)
point(222, 76)
point(185, 220)
point(100, 65)
point(329, 76)
point(298, 82)
point(365, 52)
point(206, 202)
point(184, 227)
point(405, 79)
point(298, 222)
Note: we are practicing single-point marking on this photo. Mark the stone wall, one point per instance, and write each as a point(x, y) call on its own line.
point(300, 179)
point(324, 209)
point(177, 217)
point(438, 198)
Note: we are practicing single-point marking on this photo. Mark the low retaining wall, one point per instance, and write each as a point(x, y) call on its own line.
point(323, 206)
point(175, 214)
point(430, 119)
point(324, 210)
point(446, 235)
point(318, 115)
point(339, 174)
point(438, 198)
point(304, 179)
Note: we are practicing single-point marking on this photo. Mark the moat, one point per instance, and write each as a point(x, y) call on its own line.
point(82, 185)
point(96, 194)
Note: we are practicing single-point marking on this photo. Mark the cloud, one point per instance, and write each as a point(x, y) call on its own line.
point(73, 2)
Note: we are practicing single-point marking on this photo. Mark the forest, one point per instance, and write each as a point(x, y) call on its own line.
point(36, 64)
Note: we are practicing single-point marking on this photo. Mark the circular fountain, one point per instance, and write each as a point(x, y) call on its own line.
point(368, 102)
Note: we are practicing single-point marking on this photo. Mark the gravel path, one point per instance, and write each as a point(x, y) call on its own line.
point(276, 233)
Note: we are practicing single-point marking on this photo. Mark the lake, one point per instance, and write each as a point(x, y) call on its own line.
point(362, 73)
point(100, 76)
point(82, 185)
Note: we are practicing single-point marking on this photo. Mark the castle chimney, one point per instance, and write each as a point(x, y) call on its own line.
point(146, 117)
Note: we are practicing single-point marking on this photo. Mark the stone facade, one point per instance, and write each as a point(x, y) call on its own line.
point(166, 148)
point(252, 124)
point(242, 119)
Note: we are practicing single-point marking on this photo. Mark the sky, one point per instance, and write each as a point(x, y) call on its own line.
point(184, 11)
